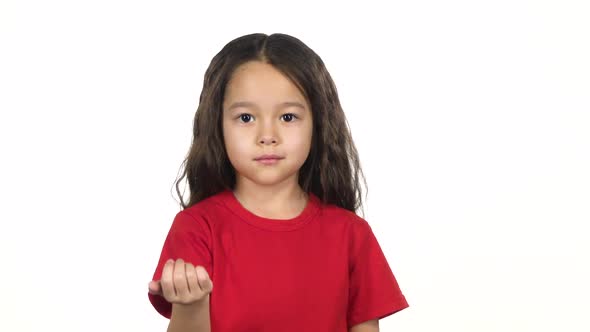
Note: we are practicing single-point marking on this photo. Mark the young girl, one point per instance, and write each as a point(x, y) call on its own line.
point(269, 240)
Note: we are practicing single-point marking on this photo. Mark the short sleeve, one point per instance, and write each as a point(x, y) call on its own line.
point(189, 238)
point(374, 292)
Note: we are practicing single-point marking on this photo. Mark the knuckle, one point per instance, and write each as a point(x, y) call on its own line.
point(191, 272)
point(180, 294)
point(179, 279)
point(166, 282)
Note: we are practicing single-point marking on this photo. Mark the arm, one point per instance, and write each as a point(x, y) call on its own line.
point(368, 326)
point(190, 317)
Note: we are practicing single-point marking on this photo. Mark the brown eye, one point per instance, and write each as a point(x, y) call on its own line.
point(245, 117)
point(289, 117)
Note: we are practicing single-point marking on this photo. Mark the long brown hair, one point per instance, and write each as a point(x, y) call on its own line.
point(332, 170)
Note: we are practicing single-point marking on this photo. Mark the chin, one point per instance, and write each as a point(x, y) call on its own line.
point(268, 178)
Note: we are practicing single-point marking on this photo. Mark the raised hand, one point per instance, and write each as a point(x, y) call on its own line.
point(182, 283)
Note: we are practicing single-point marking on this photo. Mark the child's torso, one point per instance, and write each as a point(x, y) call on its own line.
point(263, 279)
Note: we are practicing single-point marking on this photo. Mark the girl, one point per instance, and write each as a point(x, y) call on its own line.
point(269, 239)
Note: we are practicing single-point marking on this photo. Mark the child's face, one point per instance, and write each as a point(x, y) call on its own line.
point(261, 116)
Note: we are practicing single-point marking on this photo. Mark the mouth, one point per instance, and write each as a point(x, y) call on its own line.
point(268, 159)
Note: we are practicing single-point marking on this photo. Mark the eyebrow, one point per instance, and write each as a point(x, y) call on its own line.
point(253, 105)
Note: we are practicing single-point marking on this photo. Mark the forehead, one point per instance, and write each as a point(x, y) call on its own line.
point(260, 82)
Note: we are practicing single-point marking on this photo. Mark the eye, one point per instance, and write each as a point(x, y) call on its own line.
point(289, 117)
point(245, 117)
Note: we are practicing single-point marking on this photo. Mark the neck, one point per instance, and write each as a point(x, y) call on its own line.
point(276, 202)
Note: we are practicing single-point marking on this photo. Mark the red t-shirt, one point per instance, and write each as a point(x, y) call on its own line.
point(320, 271)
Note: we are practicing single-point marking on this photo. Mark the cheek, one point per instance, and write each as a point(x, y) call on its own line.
point(230, 142)
point(300, 142)
point(235, 143)
point(307, 134)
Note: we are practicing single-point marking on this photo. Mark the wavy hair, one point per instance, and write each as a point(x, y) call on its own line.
point(332, 169)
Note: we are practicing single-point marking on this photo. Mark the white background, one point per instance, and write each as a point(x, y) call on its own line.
point(472, 120)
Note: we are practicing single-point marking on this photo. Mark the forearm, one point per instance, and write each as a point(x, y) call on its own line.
point(190, 318)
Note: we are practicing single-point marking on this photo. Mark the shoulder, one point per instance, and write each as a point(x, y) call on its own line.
point(356, 226)
point(202, 213)
point(335, 212)
point(359, 233)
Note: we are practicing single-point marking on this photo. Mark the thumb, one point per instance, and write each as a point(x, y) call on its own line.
point(204, 280)
point(154, 287)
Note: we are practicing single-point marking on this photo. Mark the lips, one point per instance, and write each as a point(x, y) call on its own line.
point(269, 157)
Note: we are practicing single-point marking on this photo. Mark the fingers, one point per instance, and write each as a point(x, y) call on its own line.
point(155, 288)
point(167, 282)
point(204, 281)
point(191, 277)
point(182, 283)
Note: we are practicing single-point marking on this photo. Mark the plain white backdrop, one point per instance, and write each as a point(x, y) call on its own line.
point(472, 120)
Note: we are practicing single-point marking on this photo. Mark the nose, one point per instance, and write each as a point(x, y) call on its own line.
point(268, 134)
point(268, 139)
